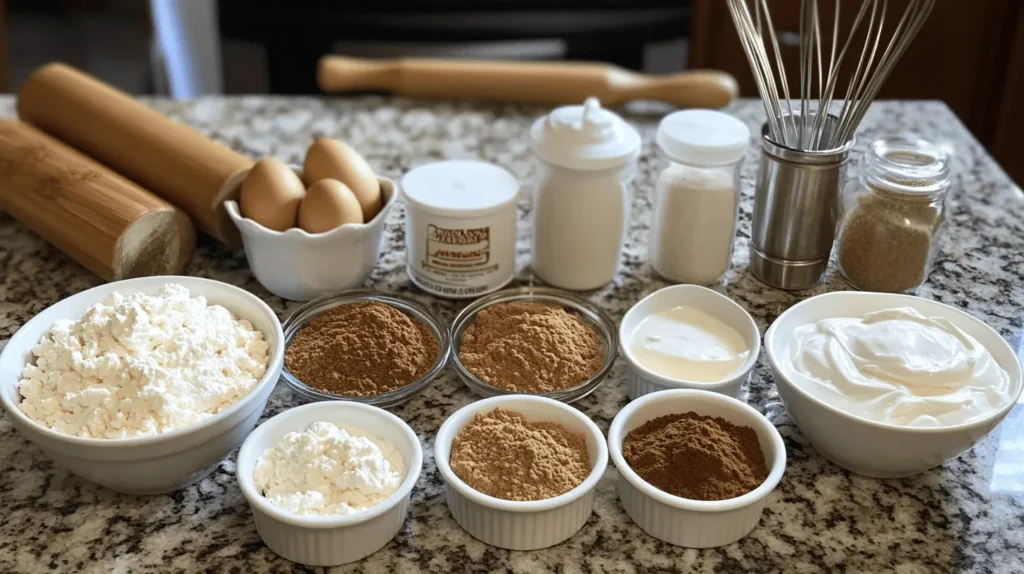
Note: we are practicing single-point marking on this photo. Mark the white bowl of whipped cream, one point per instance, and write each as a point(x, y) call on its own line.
point(890, 385)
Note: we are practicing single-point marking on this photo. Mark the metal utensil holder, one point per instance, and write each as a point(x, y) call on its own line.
point(796, 203)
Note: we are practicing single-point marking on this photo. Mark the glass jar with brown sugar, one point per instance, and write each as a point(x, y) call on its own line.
point(893, 215)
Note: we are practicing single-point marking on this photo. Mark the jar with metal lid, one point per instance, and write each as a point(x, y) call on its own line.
point(893, 215)
point(582, 198)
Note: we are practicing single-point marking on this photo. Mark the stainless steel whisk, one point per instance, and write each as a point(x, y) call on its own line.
point(801, 127)
point(806, 142)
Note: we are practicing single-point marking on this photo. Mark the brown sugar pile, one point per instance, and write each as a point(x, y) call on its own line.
point(528, 347)
point(361, 349)
point(502, 455)
point(696, 457)
point(886, 241)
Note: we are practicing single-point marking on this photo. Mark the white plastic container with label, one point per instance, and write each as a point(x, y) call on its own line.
point(582, 199)
point(460, 227)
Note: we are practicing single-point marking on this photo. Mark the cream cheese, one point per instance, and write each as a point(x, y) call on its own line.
point(897, 366)
point(688, 344)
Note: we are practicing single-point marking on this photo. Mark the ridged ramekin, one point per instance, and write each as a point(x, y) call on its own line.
point(521, 525)
point(682, 521)
point(330, 540)
point(641, 381)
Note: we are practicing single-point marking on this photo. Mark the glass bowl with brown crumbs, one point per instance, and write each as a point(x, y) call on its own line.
point(363, 346)
point(533, 340)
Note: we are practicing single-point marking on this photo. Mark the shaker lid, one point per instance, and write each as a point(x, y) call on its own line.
point(460, 188)
point(703, 137)
point(584, 137)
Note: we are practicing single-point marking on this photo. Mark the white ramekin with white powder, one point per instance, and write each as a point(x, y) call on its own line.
point(329, 470)
point(339, 539)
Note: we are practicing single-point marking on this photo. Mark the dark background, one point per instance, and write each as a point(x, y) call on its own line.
point(970, 53)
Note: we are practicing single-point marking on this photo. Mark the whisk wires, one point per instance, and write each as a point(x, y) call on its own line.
point(807, 125)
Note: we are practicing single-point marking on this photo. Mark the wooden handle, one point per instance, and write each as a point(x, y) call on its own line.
point(523, 82)
point(166, 157)
point(110, 225)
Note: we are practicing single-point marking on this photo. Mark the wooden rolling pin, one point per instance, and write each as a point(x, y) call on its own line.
point(168, 158)
point(550, 83)
point(110, 225)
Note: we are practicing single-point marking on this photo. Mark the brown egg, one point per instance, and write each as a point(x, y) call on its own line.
point(270, 195)
point(328, 204)
point(332, 159)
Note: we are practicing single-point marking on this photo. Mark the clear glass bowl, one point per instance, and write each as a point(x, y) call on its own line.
point(302, 316)
point(588, 313)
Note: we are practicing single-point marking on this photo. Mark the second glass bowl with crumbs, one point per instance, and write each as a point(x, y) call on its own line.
point(312, 387)
point(579, 314)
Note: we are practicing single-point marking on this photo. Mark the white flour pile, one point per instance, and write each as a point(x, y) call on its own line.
point(327, 470)
point(138, 365)
point(694, 223)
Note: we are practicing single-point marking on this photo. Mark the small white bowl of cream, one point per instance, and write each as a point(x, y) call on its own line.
point(890, 385)
point(688, 337)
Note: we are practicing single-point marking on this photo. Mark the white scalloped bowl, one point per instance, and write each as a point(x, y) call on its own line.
point(302, 266)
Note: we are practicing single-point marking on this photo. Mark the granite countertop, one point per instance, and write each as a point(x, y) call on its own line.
point(966, 515)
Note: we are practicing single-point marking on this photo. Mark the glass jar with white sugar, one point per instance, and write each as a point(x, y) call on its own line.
point(697, 195)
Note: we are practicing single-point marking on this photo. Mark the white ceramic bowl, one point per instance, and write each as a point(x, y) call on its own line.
point(682, 521)
point(872, 448)
point(302, 266)
point(521, 525)
point(330, 540)
point(150, 464)
point(640, 380)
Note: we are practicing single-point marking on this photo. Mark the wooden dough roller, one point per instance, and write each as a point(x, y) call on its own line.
point(168, 158)
point(549, 83)
point(110, 225)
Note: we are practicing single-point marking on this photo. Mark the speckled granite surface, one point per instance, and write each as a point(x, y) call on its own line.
point(967, 515)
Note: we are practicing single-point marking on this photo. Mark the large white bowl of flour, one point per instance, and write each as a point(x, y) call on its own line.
point(173, 457)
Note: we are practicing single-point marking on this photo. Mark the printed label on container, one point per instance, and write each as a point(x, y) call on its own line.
point(448, 290)
point(456, 260)
point(458, 250)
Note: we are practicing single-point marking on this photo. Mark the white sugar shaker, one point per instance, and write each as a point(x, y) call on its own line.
point(581, 201)
point(697, 194)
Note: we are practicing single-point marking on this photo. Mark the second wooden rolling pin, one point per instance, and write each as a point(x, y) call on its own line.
point(168, 158)
point(110, 225)
point(550, 83)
